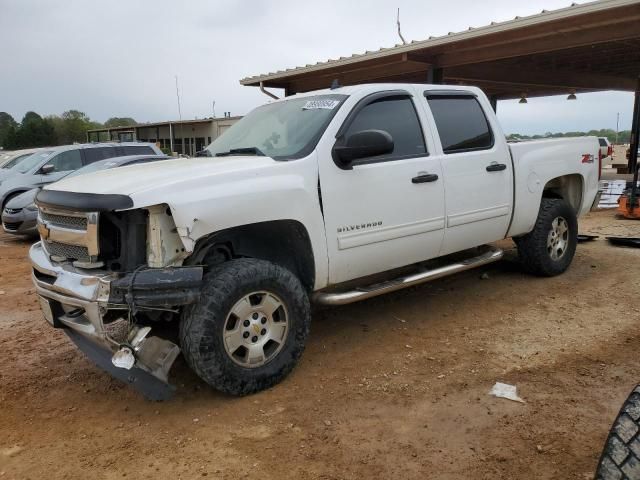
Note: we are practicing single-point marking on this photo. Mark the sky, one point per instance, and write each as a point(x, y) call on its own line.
point(120, 58)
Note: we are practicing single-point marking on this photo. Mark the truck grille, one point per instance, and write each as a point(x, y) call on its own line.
point(75, 223)
point(71, 252)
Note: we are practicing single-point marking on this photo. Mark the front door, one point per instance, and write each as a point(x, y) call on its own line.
point(385, 211)
point(477, 169)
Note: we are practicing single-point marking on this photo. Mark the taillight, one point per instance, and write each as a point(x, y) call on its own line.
point(610, 151)
point(599, 164)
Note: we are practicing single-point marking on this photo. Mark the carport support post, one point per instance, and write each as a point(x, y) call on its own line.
point(493, 99)
point(435, 76)
point(633, 150)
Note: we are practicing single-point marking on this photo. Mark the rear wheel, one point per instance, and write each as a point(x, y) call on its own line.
point(248, 329)
point(549, 248)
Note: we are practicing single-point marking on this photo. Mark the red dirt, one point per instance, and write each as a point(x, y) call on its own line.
point(394, 387)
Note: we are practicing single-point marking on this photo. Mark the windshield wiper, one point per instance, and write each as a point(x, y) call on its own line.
point(241, 151)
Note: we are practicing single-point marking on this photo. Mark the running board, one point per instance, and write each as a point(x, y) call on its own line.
point(493, 254)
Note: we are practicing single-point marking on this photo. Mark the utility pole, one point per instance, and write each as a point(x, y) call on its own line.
point(617, 126)
point(180, 117)
point(404, 42)
point(213, 108)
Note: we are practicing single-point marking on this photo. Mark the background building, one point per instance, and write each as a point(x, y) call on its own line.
point(186, 136)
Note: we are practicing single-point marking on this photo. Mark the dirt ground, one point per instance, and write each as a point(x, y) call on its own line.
point(394, 387)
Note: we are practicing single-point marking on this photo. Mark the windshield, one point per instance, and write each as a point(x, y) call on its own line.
point(31, 161)
point(16, 160)
point(282, 130)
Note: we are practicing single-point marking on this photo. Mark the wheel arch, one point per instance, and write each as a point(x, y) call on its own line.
point(283, 242)
point(12, 194)
point(566, 187)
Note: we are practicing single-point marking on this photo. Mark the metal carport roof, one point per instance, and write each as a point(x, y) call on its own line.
point(588, 47)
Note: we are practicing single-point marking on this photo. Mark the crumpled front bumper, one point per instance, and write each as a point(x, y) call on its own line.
point(78, 301)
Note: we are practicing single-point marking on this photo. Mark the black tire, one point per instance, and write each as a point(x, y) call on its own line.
point(620, 459)
point(532, 248)
point(203, 323)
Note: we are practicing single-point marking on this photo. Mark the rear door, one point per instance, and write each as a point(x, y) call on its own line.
point(384, 211)
point(477, 169)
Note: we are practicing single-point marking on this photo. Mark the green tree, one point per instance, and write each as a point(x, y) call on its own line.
point(34, 131)
point(72, 126)
point(7, 124)
point(119, 122)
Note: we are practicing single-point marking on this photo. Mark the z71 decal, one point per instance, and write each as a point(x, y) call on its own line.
point(587, 158)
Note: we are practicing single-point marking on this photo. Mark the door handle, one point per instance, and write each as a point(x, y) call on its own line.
point(425, 178)
point(496, 167)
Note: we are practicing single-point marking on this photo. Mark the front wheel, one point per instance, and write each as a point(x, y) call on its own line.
point(249, 327)
point(549, 248)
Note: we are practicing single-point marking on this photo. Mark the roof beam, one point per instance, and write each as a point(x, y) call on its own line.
point(539, 78)
point(559, 40)
point(373, 71)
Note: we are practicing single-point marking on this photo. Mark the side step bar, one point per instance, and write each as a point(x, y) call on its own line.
point(492, 254)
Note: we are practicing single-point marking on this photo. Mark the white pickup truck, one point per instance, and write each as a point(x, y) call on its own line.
point(330, 197)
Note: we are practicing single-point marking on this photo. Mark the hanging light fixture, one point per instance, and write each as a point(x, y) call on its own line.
point(572, 95)
point(523, 98)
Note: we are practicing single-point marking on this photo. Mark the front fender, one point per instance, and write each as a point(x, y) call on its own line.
point(282, 191)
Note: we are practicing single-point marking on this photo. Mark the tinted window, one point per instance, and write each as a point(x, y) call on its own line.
point(66, 161)
point(98, 153)
point(603, 142)
point(398, 117)
point(138, 150)
point(461, 123)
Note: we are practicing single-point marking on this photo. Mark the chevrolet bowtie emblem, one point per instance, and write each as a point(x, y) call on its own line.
point(43, 231)
point(256, 328)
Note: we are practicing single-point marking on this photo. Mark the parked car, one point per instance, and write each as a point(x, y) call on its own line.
point(10, 159)
point(20, 213)
point(606, 149)
point(51, 164)
point(331, 197)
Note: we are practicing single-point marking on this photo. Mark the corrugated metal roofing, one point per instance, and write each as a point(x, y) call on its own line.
point(494, 27)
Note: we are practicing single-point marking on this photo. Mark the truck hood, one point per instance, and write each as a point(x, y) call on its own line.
point(168, 175)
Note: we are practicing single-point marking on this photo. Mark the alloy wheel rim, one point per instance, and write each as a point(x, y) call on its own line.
point(255, 329)
point(558, 238)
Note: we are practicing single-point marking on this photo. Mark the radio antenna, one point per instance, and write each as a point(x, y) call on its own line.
point(404, 42)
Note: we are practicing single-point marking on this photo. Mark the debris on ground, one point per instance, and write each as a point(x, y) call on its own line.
point(625, 241)
point(504, 390)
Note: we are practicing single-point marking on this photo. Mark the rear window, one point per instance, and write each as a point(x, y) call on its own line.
point(603, 142)
point(461, 123)
point(98, 153)
point(137, 150)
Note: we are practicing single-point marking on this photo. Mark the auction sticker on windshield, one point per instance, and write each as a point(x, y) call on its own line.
point(321, 104)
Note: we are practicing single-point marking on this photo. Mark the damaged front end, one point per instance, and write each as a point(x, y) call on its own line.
point(98, 311)
point(108, 279)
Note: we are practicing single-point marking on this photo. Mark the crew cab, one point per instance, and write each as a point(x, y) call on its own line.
point(330, 197)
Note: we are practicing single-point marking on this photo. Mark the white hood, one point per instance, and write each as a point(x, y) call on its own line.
point(162, 176)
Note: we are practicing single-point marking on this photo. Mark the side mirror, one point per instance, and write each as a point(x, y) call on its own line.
point(46, 169)
point(363, 144)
